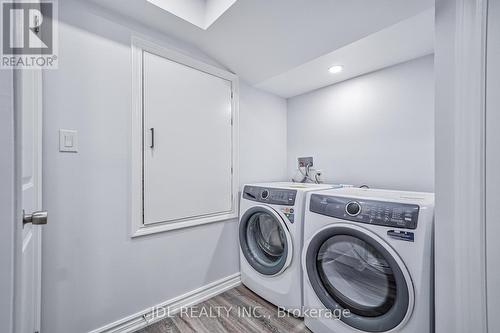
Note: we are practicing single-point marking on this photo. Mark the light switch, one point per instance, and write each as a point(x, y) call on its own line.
point(68, 140)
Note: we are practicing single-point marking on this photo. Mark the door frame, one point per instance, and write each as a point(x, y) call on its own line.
point(492, 166)
point(460, 250)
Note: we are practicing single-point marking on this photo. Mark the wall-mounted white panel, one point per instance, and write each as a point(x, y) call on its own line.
point(187, 142)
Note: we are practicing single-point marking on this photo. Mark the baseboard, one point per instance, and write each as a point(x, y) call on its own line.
point(143, 318)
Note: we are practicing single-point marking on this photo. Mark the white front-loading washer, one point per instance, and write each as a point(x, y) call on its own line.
point(271, 238)
point(368, 261)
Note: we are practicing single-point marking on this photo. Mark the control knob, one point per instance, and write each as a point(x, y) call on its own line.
point(353, 208)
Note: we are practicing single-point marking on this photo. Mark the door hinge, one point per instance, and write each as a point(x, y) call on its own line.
point(231, 121)
point(231, 170)
point(231, 95)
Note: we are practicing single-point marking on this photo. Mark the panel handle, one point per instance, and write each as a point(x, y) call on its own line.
point(152, 138)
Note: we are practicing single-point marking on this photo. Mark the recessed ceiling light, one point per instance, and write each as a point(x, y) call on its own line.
point(336, 69)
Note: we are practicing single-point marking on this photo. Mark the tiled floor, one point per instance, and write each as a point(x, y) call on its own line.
point(236, 310)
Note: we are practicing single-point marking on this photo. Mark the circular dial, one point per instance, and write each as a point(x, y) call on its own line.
point(353, 208)
point(264, 194)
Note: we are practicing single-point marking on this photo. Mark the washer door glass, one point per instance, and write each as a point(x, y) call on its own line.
point(349, 268)
point(356, 275)
point(263, 241)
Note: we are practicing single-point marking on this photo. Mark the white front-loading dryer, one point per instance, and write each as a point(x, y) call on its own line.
point(367, 261)
point(271, 239)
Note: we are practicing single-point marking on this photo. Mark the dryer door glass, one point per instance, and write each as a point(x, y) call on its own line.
point(350, 269)
point(263, 241)
point(356, 275)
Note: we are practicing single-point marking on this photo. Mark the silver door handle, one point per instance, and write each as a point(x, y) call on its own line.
point(37, 218)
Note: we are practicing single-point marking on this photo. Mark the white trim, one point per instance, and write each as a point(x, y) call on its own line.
point(142, 318)
point(492, 166)
point(460, 166)
point(138, 228)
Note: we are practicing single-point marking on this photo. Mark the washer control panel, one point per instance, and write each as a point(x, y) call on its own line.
point(272, 196)
point(389, 214)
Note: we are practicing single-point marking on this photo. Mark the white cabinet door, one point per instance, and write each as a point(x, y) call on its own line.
point(187, 142)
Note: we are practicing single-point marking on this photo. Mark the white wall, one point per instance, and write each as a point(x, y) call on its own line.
point(93, 273)
point(376, 129)
point(7, 203)
point(263, 119)
point(445, 235)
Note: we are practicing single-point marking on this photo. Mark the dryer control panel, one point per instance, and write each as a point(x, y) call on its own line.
point(389, 214)
point(272, 196)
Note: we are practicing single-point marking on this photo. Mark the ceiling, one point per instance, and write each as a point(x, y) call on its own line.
point(261, 40)
point(403, 41)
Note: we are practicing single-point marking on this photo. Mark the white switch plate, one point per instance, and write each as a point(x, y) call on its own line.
point(68, 140)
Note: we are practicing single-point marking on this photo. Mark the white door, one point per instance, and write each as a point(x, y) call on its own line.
point(29, 109)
